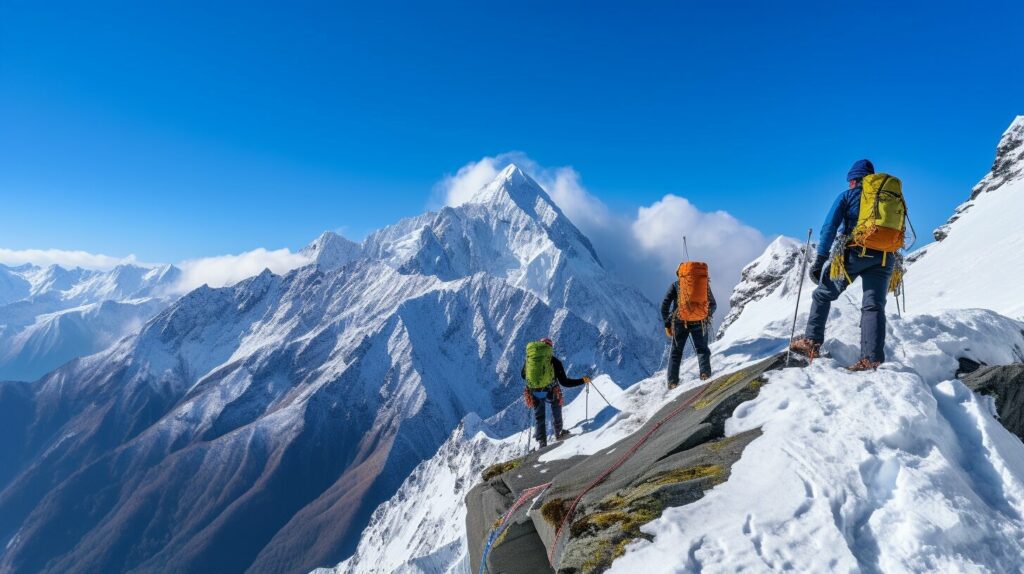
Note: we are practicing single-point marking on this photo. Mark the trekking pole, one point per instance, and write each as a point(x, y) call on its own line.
point(586, 403)
point(602, 396)
point(799, 290)
point(686, 249)
point(526, 412)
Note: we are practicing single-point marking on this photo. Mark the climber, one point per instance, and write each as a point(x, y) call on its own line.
point(865, 248)
point(687, 313)
point(544, 374)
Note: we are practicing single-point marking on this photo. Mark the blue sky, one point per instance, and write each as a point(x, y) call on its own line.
point(185, 129)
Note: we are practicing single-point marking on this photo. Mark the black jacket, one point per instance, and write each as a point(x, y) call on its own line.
point(671, 301)
point(559, 374)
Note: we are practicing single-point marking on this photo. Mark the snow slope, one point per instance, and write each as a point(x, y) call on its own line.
point(981, 248)
point(51, 315)
point(899, 470)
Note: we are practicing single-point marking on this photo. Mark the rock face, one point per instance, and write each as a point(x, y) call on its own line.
point(577, 515)
point(1007, 166)
point(1006, 384)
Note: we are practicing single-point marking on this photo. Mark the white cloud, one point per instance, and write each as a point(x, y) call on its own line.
point(223, 270)
point(459, 188)
point(216, 271)
point(718, 238)
point(645, 248)
point(63, 258)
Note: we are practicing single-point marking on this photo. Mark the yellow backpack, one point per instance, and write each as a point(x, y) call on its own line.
point(882, 221)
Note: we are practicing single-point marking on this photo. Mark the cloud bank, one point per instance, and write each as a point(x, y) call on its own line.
point(63, 258)
point(223, 270)
point(643, 248)
point(217, 271)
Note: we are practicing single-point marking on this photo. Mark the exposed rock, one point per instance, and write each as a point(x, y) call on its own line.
point(514, 517)
point(1006, 384)
point(1008, 165)
point(761, 277)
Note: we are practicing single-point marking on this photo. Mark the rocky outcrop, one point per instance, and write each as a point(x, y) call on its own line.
point(1005, 383)
point(578, 514)
point(1008, 165)
point(761, 277)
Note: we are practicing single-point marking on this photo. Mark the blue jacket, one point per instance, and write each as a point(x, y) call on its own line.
point(844, 211)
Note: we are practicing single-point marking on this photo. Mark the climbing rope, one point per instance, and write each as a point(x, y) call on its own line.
point(621, 460)
point(503, 524)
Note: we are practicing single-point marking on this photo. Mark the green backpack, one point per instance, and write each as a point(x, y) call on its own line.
point(539, 371)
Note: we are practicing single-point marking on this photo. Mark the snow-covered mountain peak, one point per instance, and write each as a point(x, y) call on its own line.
point(511, 183)
point(763, 276)
point(513, 230)
point(330, 251)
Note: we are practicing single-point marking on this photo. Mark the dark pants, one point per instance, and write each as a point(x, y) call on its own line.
point(695, 331)
point(875, 279)
point(552, 397)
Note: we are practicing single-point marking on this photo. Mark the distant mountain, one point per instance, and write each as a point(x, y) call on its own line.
point(50, 315)
point(256, 427)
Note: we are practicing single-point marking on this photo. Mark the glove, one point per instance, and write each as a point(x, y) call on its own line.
point(586, 380)
point(668, 331)
point(815, 271)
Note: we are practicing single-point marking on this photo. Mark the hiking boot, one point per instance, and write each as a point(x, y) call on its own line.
point(864, 364)
point(705, 376)
point(806, 347)
point(542, 443)
point(562, 435)
point(672, 385)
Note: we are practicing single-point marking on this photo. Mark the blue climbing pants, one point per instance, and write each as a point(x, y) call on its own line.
point(874, 277)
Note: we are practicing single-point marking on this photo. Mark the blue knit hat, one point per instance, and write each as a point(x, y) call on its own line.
point(860, 168)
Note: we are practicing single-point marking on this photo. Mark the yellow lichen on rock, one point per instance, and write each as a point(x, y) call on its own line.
point(501, 468)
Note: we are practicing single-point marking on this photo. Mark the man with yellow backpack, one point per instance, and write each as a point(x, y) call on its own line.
point(872, 213)
point(686, 311)
point(545, 376)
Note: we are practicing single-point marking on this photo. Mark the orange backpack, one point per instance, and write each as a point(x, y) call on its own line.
point(693, 291)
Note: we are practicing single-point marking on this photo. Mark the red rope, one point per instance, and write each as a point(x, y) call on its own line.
point(622, 459)
point(527, 494)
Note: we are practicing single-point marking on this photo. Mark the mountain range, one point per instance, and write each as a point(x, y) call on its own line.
point(256, 427)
